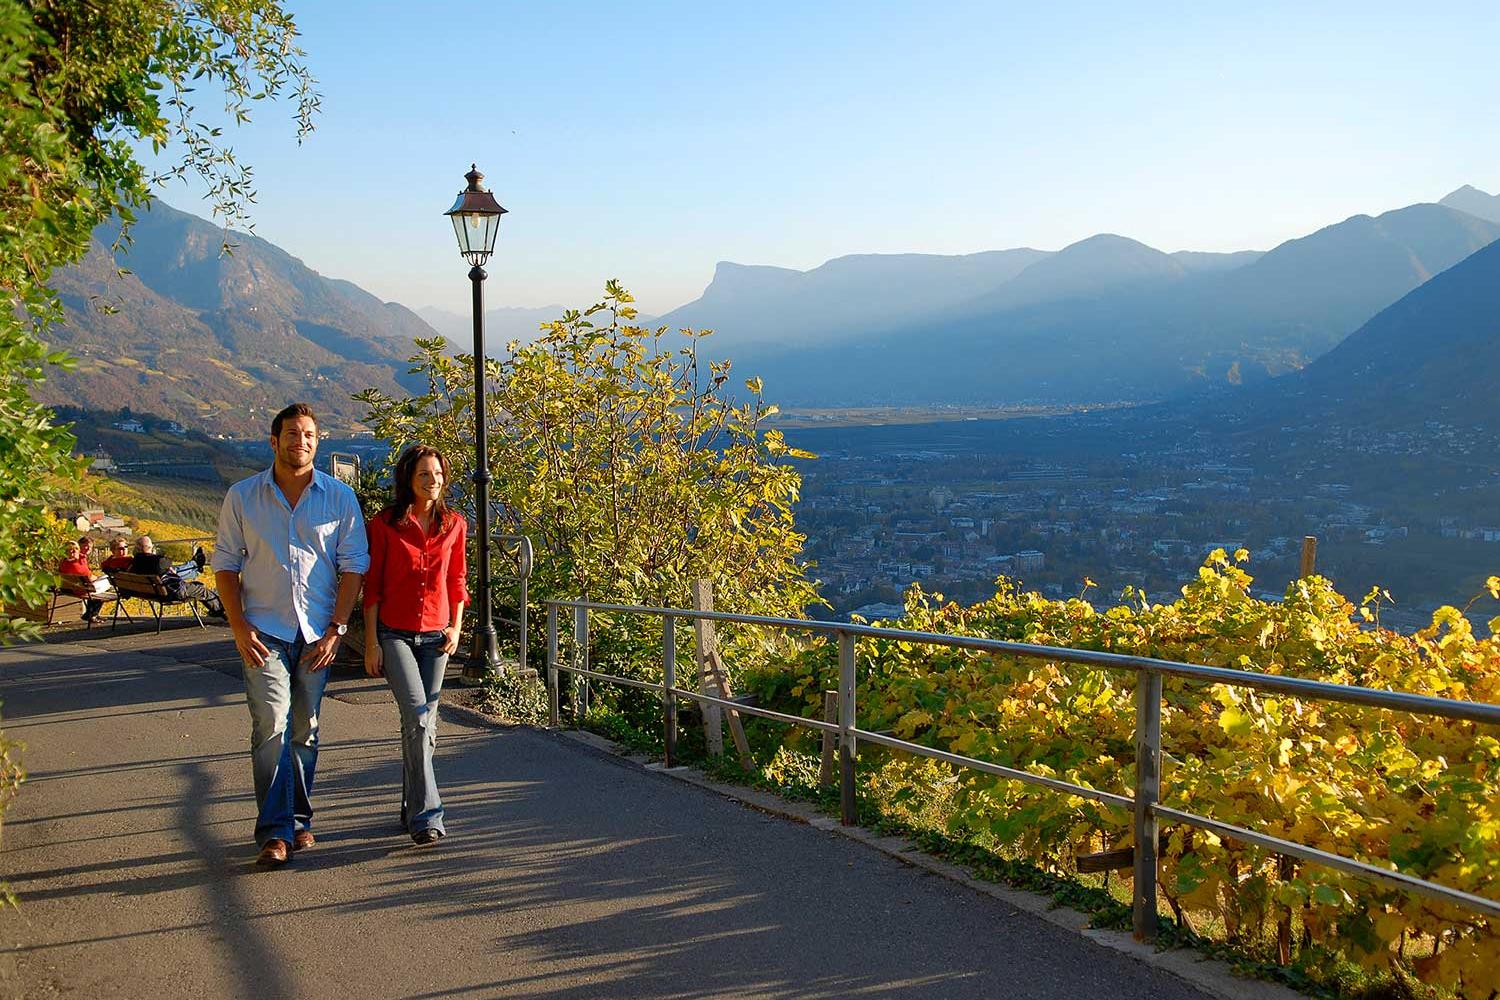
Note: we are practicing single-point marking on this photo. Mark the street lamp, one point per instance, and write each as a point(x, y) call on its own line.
point(476, 222)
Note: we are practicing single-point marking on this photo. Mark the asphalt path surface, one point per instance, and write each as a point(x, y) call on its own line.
point(566, 873)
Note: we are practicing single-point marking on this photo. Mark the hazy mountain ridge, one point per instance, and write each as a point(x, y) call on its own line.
point(1109, 318)
point(844, 297)
point(501, 326)
point(1432, 356)
point(217, 341)
point(1474, 201)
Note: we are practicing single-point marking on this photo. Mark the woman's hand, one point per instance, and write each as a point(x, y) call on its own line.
point(451, 643)
point(374, 659)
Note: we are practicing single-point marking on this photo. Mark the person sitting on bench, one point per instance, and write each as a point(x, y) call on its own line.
point(179, 580)
point(75, 563)
point(119, 557)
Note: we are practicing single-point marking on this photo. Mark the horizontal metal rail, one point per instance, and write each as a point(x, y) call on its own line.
point(1410, 883)
point(1148, 748)
point(1057, 785)
point(1402, 701)
point(705, 699)
point(629, 682)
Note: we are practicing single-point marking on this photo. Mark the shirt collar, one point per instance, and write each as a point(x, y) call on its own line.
point(268, 478)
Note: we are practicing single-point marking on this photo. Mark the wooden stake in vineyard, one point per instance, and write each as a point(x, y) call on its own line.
point(714, 680)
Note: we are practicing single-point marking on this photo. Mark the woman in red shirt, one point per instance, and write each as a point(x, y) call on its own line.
point(76, 563)
point(119, 557)
point(414, 606)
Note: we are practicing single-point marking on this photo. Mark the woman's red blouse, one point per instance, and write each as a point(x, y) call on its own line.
point(416, 579)
point(77, 567)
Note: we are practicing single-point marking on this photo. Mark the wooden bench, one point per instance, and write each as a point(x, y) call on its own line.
point(153, 590)
point(69, 597)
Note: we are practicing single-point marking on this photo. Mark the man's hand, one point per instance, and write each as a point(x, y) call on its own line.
point(374, 659)
point(323, 651)
point(252, 651)
point(450, 641)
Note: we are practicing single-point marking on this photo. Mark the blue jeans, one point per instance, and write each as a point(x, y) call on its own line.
point(414, 666)
point(284, 697)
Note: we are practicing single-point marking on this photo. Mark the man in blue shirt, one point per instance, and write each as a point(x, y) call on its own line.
point(290, 555)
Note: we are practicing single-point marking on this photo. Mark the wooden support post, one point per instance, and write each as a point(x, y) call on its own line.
point(1309, 556)
point(830, 740)
point(736, 727)
point(713, 720)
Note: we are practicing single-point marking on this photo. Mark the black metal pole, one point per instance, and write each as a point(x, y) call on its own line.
point(485, 659)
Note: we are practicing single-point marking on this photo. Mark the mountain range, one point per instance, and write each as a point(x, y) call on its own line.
point(220, 341)
point(1474, 201)
point(215, 340)
point(501, 326)
point(1432, 356)
point(1105, 319)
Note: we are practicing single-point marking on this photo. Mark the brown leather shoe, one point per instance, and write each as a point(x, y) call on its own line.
point(274, 853)
point(303, 839)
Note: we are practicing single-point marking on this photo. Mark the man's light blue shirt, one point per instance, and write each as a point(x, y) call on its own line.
point(289, 561)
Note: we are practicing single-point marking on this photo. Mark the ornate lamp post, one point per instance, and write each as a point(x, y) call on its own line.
point(476, 222)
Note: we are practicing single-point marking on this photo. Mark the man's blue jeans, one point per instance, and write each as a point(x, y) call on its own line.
point(414, 666)
point(284, 697)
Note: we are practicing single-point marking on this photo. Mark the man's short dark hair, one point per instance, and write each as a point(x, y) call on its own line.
point(295, 410)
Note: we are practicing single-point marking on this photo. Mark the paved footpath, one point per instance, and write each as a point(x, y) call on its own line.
point(567, 873)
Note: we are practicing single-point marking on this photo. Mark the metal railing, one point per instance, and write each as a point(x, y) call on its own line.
point(517, 547)
point(1146, 802)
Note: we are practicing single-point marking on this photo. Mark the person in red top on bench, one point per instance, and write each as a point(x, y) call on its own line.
point(119, 556)
point(75, 563)
point(414, 607)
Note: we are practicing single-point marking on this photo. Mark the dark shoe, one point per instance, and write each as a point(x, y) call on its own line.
point(303, 840)
point(426, 838)
point(274, 853)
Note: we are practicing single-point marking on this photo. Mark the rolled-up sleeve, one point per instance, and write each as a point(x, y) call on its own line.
point(458, 567)
point(375, 575)
point(229, 543)
point(353, 553)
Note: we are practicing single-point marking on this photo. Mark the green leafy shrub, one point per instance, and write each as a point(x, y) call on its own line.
point(1415, 793)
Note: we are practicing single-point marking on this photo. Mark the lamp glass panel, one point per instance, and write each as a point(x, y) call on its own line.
point(459, 230)
point(490, 229)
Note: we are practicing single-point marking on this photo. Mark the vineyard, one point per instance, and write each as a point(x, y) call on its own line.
point(1415, 793)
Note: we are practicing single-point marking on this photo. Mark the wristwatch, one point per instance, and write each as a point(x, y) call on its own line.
point(339, 628)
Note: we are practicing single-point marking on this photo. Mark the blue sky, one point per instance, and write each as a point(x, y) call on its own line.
point(647, 141)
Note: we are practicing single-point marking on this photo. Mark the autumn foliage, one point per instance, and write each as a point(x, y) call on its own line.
point(1415, 793)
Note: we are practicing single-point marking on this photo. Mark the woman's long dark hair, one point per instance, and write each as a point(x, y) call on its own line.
point(406, 467)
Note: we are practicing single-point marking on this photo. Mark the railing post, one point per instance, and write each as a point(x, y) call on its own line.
point(552, 665)
point(580, 660)
point(668, 683)
point(848, 809)
point(1147, 794)
point(521, 653)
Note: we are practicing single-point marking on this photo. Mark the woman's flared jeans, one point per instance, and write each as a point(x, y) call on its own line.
point(414, 667)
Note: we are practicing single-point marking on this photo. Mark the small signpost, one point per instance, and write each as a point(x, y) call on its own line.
point(344, 467)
